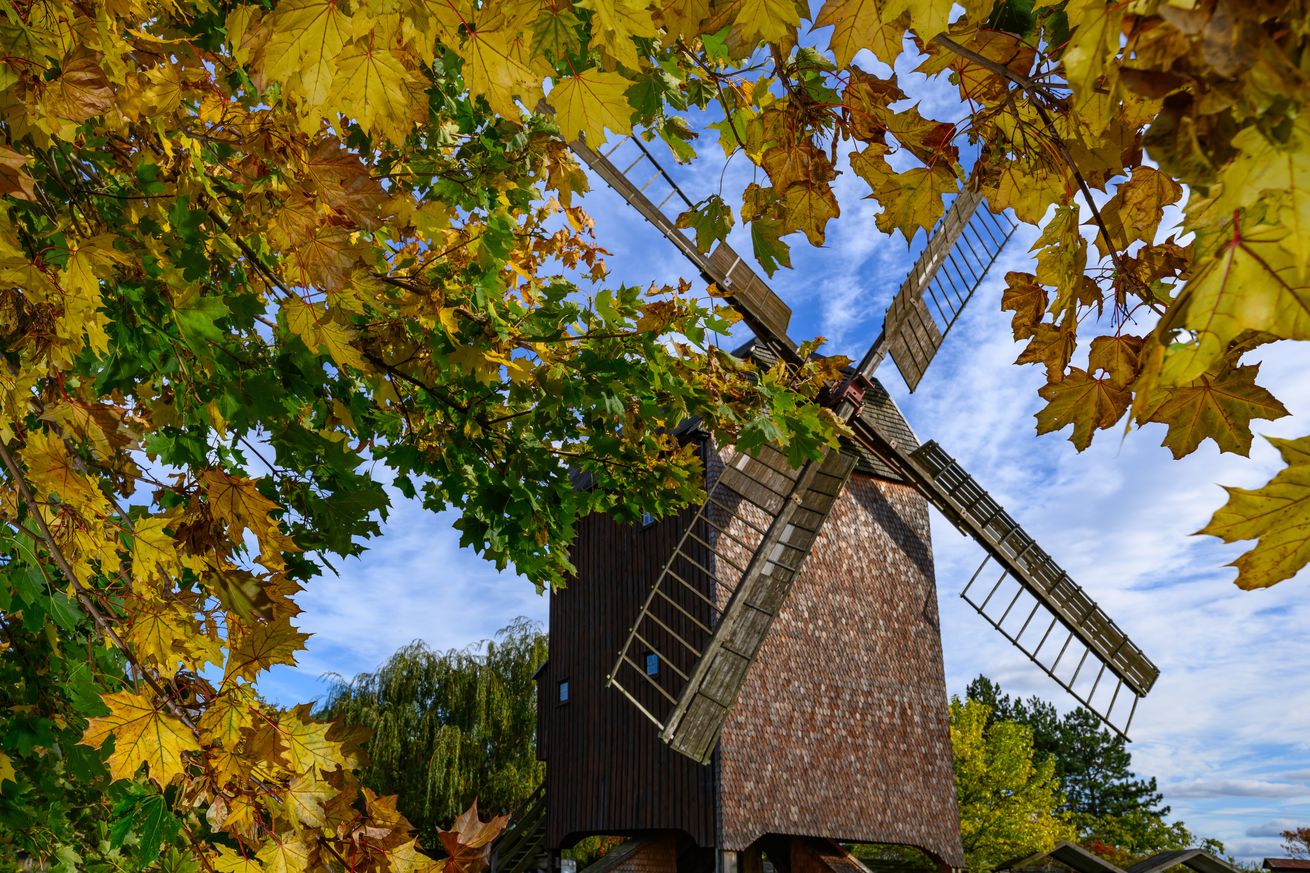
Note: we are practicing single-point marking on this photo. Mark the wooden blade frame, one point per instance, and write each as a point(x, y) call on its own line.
point(1033, 602)
point(959, 252)
point(761, 309)
point(687, 654)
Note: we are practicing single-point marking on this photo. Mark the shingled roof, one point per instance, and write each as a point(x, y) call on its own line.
point(879, 411)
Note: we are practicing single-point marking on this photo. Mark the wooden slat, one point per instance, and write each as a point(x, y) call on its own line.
point(747, 290)
point(953, 263)
point(966, 505)
point(761, 309)
point(693, 728)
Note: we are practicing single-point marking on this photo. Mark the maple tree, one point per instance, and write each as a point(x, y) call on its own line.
point(250, 251)
point(1010, 803)
point(1296, 842)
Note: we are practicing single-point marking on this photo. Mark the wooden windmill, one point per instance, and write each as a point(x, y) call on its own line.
point(765, 670)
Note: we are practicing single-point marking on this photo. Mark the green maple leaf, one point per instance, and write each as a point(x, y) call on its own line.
point(711, 219)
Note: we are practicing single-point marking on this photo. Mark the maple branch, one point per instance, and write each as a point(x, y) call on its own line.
point(443, 396)
point(84, 597)
point(718, 92)
point(1039, 93)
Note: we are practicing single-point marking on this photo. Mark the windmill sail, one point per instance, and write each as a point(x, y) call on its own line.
point(687, 654)
point(960, 251)
point(1033, 602)
point(761, 309)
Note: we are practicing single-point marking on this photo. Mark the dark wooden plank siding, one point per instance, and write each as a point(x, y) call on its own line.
point(607, 771)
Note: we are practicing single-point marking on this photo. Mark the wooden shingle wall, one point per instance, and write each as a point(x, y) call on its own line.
point(841, 730)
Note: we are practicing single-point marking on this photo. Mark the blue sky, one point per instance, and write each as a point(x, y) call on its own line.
point(1227, 728)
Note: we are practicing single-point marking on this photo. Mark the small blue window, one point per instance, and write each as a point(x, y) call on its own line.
point(652, 664)
point(564, 691)
point(647, 519)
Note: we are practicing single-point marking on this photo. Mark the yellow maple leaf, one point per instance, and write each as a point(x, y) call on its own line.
point(306, 38)
point(7, 773)
point(808, 208)
point(406, 858)
point(1276, 515)
point(1052, 346)
point(316, 329)
point(614, 23)
point(161, 633)
point(1027, 300)
point(913, 199)
point(154, 553)
point(142, 734)
point(229, 860)
point(590, 102)
point(1249, 283)
point(285, 854)
point(261, 646)
point(236, 501)
point(1261, 168)
point(1218, 405)
point(498, 64)
point(756, 21)
point(927, 17)
point(227, 715)
point(307, 743)
point(857, 25)
point(1119, 357)
point(14, 179)
point(1135, 210)
point(374, 84)
point(1088, 56)
point(51, 470)
point(304, 798)
point(82, 90)
point(683, 18)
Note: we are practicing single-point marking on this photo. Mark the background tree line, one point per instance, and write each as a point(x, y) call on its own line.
point(457, 726)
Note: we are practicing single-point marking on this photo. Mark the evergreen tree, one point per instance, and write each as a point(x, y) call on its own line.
point(1119, 814)
point(450, 727)
point(1093, 765)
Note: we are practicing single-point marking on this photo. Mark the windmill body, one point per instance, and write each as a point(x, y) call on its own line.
point(840, 730)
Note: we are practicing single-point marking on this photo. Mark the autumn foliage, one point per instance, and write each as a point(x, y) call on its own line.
point(251, 253)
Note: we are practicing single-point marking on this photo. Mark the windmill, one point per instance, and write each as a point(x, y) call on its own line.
point(693, 630)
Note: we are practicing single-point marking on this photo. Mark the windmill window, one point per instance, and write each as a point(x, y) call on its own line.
point(564, 691)
point(652, 664)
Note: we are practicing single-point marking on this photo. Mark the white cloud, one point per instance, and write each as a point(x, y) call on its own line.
point(1237, 788)
point(1272, 828)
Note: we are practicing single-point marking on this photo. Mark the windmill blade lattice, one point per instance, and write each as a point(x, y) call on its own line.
point(687, 654)
point(1033, 602)
point(761, 309)
point(959, 252)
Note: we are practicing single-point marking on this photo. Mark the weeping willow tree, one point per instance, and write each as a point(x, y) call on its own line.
point(450, 727)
